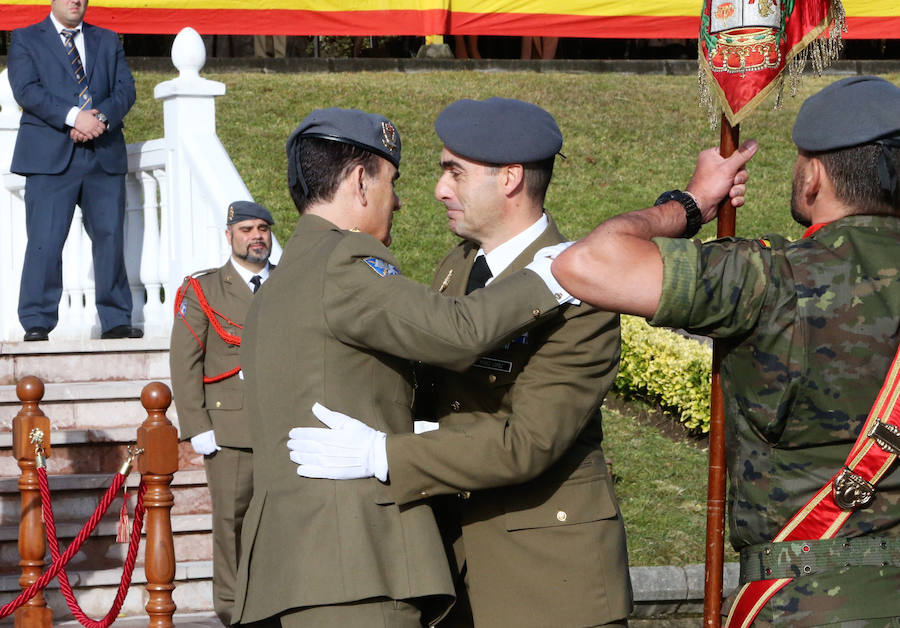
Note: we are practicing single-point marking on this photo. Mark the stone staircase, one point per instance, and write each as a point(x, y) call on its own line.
point(92, 398)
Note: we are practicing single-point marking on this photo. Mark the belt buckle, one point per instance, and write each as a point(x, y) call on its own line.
point(887, 436)
point(851, 491)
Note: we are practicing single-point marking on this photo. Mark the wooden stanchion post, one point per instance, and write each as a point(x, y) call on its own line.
point(157, 464)
point(30, 426)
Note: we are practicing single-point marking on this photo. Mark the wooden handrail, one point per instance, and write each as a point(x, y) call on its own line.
point(157, 464)
point(32, 537)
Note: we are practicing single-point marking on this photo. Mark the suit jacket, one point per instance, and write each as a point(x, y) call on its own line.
point(338, 324)
point(218, 406)
point(44, 85)
point(520, 442)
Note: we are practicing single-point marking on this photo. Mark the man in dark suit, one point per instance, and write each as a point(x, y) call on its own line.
point(74, 86)
point(209, 386)
point(517, 465)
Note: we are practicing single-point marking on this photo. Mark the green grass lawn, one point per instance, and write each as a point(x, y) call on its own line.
point(626, 139)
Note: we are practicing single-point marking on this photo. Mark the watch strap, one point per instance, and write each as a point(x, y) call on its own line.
point(692, 215)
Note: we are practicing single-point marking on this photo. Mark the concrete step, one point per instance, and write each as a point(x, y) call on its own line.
point(95, 591)
point(85, 404)
point(85, 360)
point(88, 451)
point(75, 497)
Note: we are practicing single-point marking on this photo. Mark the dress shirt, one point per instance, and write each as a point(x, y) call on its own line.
point(247, 274)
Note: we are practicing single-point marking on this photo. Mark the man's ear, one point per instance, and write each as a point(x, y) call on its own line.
point(813, 179)
point(513, 176)
point(359, 177)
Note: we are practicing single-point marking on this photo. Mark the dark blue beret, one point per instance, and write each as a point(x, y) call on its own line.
point(368, 131)
point(247, 210)
point(850, 112)
point(499, 131)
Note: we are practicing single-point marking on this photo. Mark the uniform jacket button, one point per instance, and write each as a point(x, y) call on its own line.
point(536, 312)
point(455, 406)
point(218, 404)
point(561, 515)
point(492, 378)
point(464, 494)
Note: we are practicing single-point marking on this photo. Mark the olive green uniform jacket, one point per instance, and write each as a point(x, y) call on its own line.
point(520, 440)
point(197, 350)
point(808, 330)
point(326, 328)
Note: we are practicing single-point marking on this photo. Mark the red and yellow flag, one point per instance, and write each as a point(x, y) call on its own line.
point(745, 46)
point(872, 19)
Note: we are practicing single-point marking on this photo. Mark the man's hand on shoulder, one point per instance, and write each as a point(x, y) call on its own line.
point(540, 265)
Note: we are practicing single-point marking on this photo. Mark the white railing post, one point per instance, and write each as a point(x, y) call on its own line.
point(12, 215)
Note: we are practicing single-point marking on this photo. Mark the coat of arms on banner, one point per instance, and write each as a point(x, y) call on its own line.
point(746, 44)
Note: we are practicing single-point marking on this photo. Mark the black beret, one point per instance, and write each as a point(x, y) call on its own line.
point(499, 131)
point(849, 112)
point(247, 210)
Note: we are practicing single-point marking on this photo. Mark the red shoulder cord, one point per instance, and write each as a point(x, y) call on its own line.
point(213, 317)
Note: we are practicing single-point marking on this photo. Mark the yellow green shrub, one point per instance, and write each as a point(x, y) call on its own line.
point(667, 369)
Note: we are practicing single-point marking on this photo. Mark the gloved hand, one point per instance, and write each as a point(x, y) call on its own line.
point(205, 443)
point(349, 450)
point(420, 427)
point(540, 265)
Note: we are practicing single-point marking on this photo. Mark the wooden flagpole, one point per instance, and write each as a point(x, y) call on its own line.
point(715, 496)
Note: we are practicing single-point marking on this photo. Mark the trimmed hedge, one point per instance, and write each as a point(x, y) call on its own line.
point(667, 369)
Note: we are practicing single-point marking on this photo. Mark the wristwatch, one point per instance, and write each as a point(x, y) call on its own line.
point(102, 117)
point(691, 210)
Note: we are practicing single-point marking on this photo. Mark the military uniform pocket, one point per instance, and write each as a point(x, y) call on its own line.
point(222, 398)
point(575, 501)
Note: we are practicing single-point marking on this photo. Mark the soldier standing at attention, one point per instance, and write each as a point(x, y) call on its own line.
point(339, 324)
point(208, 384)
point(809, 331)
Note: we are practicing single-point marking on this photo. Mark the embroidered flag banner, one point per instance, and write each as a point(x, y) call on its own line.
point(622, 19)
point(745, 46)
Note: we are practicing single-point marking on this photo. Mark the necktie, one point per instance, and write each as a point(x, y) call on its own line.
point(84, 98)
point(256, 280)
point(479, 275)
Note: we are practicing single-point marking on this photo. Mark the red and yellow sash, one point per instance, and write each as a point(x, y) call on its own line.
point(852, 486)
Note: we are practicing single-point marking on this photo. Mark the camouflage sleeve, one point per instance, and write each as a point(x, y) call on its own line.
point(715, 289)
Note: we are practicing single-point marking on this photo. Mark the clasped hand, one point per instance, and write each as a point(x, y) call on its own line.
point(346, 450)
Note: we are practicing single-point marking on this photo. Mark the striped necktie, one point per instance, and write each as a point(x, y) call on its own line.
point(84, 98)
point(256, 280)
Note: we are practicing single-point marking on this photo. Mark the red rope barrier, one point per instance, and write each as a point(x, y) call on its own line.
point(59, 562)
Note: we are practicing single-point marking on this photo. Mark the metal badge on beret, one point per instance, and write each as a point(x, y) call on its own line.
point(389, 136)
point(248, 210)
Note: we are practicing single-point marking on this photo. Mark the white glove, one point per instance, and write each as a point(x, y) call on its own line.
point(541, 266)
point(349, 450)
point(420, 427)
point(205, 443)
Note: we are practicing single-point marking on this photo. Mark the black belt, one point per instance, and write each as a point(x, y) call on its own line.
point(792, 559)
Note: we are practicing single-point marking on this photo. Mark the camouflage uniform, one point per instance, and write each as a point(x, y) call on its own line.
point(809, 329)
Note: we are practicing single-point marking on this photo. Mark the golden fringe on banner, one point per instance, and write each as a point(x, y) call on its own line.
point(822, 51)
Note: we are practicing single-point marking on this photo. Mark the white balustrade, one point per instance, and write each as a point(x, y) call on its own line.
point(177, 193)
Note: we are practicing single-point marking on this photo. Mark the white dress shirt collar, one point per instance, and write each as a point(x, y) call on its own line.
point(78, 39)
point(247, 274)
point(501, 257)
